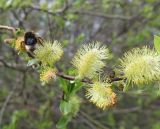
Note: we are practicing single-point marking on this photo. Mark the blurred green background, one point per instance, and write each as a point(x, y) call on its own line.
point(120, 24)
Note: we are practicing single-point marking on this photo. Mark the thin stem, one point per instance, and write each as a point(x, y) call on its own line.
point(11, 66)
point(68, 77)
point(89, 13)
point(8, 28)
point(5, 105)
point(60, 11)
point(101, 126)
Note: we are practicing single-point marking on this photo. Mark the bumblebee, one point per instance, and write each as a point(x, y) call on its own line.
point(31, 40)
point(26, 43)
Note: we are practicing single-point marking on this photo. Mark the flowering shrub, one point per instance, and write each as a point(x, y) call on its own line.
point(137, 67)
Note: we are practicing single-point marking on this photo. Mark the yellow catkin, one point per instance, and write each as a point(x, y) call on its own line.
point(19, 44)
point(101, 95)
point(47, 74)
point(141, 66)
point(49, 53)
point(89, 60)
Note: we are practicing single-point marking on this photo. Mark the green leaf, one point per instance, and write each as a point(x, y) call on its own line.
point(65, 107)
point(63, 85)
point(62, 123)
point(71, 86)
point(16, 3)
point(71, 17)
point(32, 62)
point(70, 107)
point(156, 125)
point(75, 104)
point(4, 4)
point(16, 118)
point(80, 38)
point(157, 43)
point(44, 6)
point(126, 87)
point(78, 3)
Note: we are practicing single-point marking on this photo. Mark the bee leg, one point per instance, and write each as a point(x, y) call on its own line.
point(30, 54)
point(40, 40)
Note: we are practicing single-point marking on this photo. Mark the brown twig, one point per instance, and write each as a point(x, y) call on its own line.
point(116, 79)
point(59, 11)
point(101, 15)
point(68, 77)
point(5, 104)
point(80, 12)
point(12, 66)
point(8, 28)
point(101, 126)
point(60, 74)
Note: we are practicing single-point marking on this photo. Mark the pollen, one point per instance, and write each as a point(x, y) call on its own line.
point(101, 95)
point(89, 60)
point(19, 44)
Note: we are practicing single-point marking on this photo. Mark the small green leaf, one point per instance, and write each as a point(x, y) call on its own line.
point(63, 85)
point(71, 86)
point(157, 43)
point(126, 86)
point(15, 119)
point(32, 62)
point(65, 107)
point(70, 107)
point(62, 123)
point(80, 38)
point(44, 6)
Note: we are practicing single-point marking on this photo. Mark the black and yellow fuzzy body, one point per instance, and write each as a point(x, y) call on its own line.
point(31, 40)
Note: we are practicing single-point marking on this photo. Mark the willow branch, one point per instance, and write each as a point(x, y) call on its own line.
point(101, 126)
point(5, 104)
point(80, 12)
point(68, 77)
point(11, 66)
point(9, 28)
point(101, 15)
point(59, 11)
point(60, 74)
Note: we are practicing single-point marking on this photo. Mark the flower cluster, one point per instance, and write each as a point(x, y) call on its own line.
point(101, 95)
point(19, 44)
point(141, 66)
point(89, 60)
point(49, 53)
point(47, 74)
